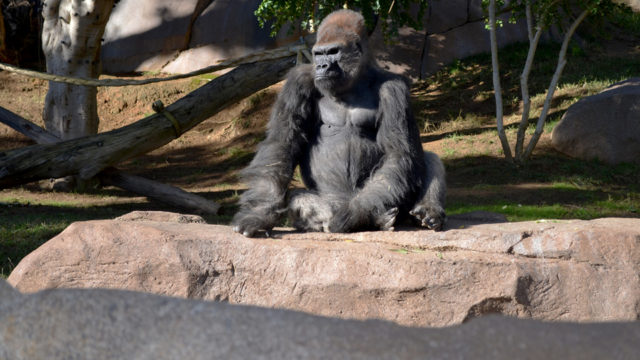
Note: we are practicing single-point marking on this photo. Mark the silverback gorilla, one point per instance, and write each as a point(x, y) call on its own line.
point(349, 126)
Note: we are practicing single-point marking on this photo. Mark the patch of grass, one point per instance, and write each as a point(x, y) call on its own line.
point(550, 187)
point(200, 80)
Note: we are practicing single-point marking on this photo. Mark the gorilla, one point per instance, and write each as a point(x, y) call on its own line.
point(348, 125)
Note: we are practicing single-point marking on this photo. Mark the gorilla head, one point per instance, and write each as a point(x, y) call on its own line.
point(341, 52)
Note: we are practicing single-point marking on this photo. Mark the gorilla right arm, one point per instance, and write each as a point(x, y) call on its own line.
point(269, 174)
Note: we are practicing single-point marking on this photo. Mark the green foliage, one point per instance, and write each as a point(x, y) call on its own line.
point(551, 12)
point(307, 14)
point(623, 17)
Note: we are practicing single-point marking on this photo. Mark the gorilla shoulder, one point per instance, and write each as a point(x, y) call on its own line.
point(299, 82)
point(393, 86)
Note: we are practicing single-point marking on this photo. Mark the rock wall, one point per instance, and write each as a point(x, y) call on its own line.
point(558, 270)
point(177, 37)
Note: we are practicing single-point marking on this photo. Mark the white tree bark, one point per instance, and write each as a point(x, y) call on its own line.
point(524, 82)
point(71, 36)
point(497, 88)
point(529, 16)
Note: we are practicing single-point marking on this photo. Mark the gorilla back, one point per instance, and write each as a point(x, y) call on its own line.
point(349, 127)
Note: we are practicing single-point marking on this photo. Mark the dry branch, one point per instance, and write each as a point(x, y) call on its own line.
point(27, 128)
point(89, 155)
point(152, 189)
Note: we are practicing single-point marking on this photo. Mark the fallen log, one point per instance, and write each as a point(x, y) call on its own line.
point(87, 156)
point(111, 176)
point(27, 128)
point(152, 189)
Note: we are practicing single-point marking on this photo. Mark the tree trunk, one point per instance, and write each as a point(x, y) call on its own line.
point(562, 61)
point(88, 156)
point(497, 88)
point(71, 36)
point(524, 87)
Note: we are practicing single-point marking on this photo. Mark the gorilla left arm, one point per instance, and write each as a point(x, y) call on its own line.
point(402, 168)
point(270, 171)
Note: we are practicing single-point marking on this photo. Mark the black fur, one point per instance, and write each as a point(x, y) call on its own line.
point(349, 126)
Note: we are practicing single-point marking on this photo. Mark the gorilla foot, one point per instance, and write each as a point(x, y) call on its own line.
point(249, 225)
point(386, 221)
point(431, 217)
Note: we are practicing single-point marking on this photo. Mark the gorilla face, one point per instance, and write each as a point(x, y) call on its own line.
point(338, 66)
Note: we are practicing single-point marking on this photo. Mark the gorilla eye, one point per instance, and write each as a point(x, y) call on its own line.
point(332, 51)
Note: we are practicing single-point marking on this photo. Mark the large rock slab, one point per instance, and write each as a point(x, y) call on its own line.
point(557, 270)
point(112, 324)
point(605, 126)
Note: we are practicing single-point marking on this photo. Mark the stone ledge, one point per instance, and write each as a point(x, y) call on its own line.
point(565, 270)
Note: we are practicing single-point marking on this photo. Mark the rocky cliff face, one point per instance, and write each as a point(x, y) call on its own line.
point(177, 37)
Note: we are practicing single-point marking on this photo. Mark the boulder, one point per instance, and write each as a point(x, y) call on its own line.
point(556, 270)
point(605, 126)
point(112, 324)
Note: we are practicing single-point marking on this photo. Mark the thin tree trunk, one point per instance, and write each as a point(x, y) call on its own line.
point(71, 34)
point(496, 81)
point(529, 16)
point(524, 87)
point(562, 61)
point(88, 156)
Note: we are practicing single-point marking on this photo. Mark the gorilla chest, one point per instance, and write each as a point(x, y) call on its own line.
point(345, 151)
point(357, 117)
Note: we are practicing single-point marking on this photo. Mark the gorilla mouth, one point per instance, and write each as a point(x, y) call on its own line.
point(328, 75)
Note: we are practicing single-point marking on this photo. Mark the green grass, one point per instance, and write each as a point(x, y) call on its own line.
point(200, 80)
point(548, 187)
